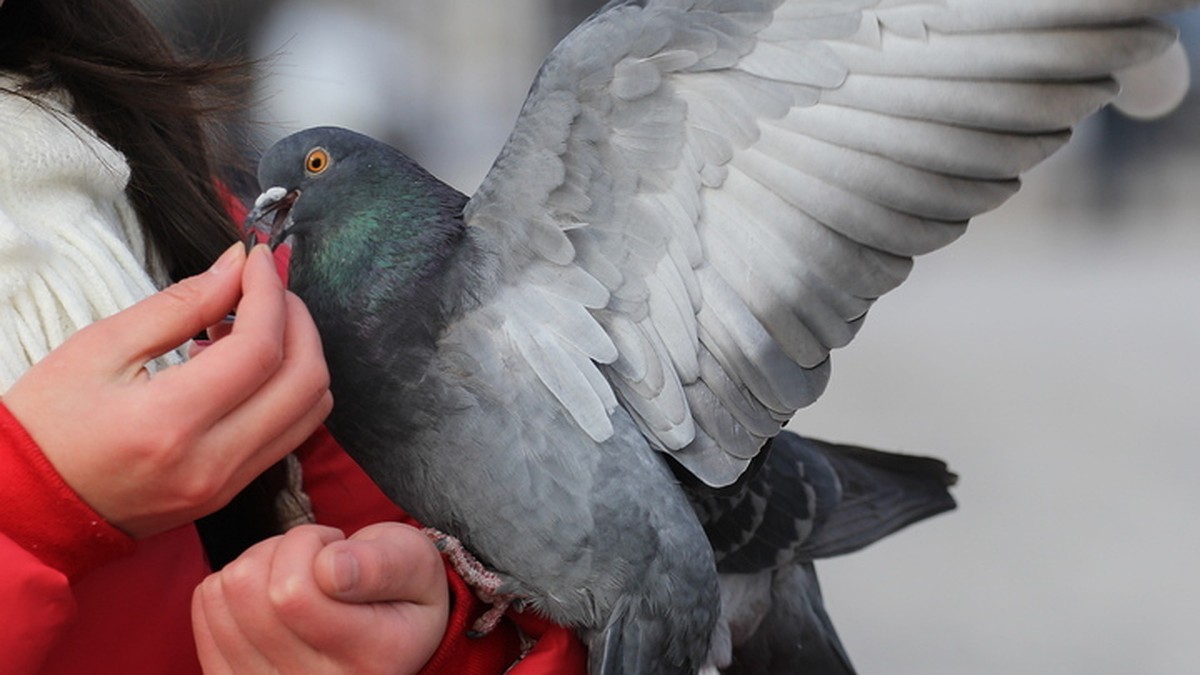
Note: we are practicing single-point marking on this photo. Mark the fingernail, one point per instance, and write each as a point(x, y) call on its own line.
point(345, 571)
point(265, 251)
point(227, 259)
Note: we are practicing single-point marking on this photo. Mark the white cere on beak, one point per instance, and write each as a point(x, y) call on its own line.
point(270, 196)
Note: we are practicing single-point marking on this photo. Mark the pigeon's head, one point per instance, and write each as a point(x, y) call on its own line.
point(307, 173)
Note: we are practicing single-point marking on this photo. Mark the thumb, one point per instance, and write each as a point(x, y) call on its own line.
point(172, 316)
point(385, 562)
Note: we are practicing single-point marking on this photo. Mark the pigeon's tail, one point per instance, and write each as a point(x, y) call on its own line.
point(810, 499)
point(638, 641)
point(796, 635)
point(875, 493)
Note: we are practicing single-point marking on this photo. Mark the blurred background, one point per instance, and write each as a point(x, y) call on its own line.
point(1049, 356)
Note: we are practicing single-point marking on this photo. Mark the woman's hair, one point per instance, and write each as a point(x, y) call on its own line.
point(160, 110)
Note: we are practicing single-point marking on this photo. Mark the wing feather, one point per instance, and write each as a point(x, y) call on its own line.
point(673, 315)
point(743, 346)
point(846, 210)
point(938, 148)
point(1019, 56)
point(819, 311)
point(898, 186)
point(702, 198)
point(657, 402)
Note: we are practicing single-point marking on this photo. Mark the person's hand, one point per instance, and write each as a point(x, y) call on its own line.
point(311, 602)
point(150, 453)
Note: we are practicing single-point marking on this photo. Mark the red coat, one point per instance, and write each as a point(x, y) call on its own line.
point(77, 595)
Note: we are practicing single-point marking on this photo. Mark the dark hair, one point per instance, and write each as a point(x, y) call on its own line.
point(162, 112)
point(158, 109)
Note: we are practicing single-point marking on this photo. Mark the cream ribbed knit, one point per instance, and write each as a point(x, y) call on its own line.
point(71, 250)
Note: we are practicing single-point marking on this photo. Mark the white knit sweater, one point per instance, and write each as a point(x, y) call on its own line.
point(71, 250)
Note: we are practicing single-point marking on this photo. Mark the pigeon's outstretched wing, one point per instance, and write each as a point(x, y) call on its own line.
point(702, 198)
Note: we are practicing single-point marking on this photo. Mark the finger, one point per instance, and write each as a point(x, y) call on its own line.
point(229, 371)
point(382, 563)
point(168, 318)
point(290, 438)
point(212, 660)
point(299, 381)
point(288, 408)
point(211, 334)
point(246, 585)
point(359, 635)
point(220, 642)
point(292, 587)
point(295, 597)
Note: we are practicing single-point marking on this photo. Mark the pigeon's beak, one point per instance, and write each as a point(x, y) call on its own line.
point(275, 205)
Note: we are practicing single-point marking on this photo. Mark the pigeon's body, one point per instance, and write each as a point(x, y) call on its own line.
point(389, 292)
point(700, 200)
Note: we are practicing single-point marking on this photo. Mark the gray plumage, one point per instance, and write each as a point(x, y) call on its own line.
point(807, 500)
point(700, 199)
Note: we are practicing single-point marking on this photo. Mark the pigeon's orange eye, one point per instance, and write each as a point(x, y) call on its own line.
point(317, 161)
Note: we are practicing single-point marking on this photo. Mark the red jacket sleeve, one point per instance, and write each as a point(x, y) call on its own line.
point(43, 515)
point(37, 594)
point(38, 603)
point(67, 576)
point(344, 496)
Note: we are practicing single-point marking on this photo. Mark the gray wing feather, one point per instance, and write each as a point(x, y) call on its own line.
point(738, 181)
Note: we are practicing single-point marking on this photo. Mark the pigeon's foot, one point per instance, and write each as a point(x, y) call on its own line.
point(483, 581)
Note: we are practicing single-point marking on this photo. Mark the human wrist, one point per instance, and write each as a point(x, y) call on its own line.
point(44, 515)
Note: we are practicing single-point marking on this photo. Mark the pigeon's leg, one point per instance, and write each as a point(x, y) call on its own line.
point(483, 581)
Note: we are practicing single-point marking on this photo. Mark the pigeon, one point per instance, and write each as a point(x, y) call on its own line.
point(699, 201)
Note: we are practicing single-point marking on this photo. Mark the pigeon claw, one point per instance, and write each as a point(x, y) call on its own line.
point(485, 583)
